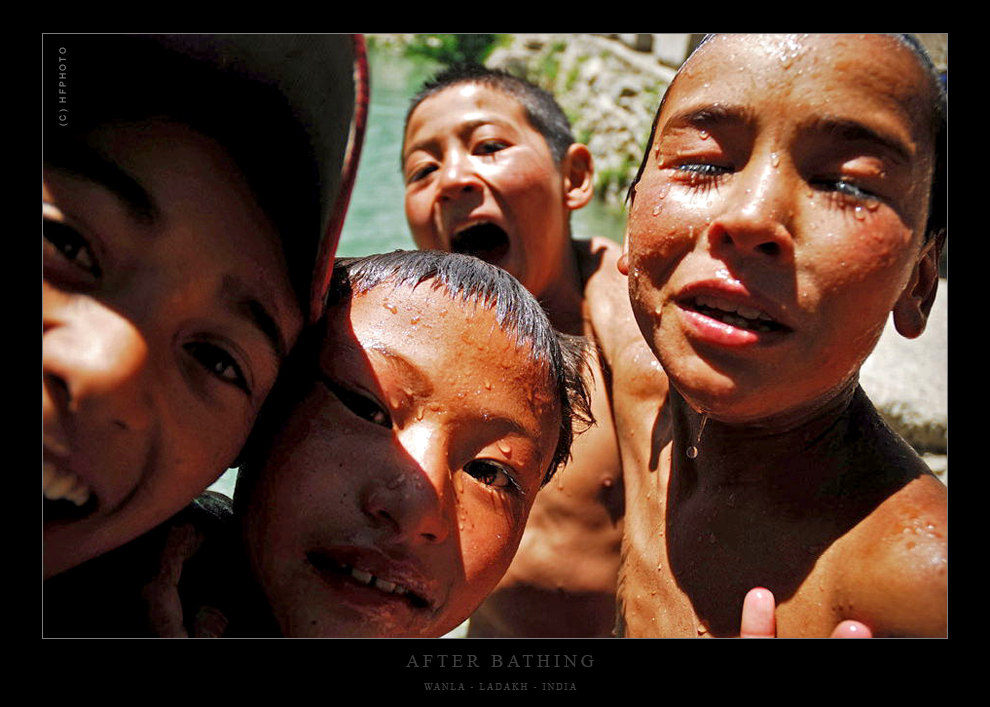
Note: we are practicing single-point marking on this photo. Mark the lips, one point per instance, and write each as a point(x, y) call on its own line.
point(737, 315)
point(484, 240)
point(726, 313)
point(369, 570)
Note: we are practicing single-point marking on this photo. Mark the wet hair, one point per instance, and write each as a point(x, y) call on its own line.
point(542, 110)
point(122, 79)
point(937, 226)
point(473, 281)
point(461, 277)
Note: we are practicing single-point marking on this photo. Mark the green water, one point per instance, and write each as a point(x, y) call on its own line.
point(376, 221)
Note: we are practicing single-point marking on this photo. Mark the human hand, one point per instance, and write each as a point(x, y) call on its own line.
point(759, 619)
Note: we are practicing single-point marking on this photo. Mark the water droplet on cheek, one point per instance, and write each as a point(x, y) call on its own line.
point(657, 209)
point(703, 134)
point(860, 213)
point(774, 159)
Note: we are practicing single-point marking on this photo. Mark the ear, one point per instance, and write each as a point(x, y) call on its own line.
point(578, 170)
point(915, 303)
point(623, 263)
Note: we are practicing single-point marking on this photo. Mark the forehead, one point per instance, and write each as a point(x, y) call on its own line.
point(468, 103)
point(457, 346)
point(859, 75)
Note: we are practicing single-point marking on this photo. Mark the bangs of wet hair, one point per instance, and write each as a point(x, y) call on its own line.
point(542, 110)
point(936, 227)
point(473, 281)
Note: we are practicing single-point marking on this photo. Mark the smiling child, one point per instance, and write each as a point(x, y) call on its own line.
point(390, 490)
point(790, 200)
point(178, 255)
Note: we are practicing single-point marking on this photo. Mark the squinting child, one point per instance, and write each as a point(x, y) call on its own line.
point(492, 170)
point(178, 253)
point(790, 200)
point(396, 464)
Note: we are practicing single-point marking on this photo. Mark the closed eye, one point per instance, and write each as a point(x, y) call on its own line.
point(492, 473)
point(363, 406)
point(420, 173)
point(843, 187)
point(489, 147)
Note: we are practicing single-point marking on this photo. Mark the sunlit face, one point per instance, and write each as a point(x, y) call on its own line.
point(779, 217)
point(396, 494)
point(166, 310)
point(481, 180)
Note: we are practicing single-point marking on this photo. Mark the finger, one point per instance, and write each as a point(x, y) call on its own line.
point(852, 629)
point(758, 619)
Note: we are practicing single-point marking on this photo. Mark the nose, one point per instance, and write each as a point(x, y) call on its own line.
point(95, 365)
point(414, 497)
point(757, 216)
point(458, 176)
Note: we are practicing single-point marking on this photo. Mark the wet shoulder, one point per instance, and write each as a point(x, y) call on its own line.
point(895, 562)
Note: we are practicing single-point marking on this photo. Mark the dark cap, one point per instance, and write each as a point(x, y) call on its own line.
point(264, 96)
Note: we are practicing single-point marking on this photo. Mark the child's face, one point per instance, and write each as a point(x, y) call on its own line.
point(779, 217)
point(481, 180)
point(166, 309)
point(395, 496)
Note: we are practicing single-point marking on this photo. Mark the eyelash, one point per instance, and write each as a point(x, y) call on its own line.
point(485, 148)
point(71, 246)
point(361, 405)
point(219, 363)
point(492, 467)
point(844, 191)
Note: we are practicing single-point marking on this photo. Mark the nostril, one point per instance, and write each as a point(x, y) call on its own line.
point(58, 389)
point(772, 249)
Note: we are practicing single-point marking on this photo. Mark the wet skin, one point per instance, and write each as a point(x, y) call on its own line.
point(166, 311)
point(471, 157)
point(777, 224)
point(396, 494)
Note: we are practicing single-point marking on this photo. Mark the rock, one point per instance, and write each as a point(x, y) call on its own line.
point(907, 380)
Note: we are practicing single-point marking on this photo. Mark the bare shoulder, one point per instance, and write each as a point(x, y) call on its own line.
point(896, 562)
point(606, 295)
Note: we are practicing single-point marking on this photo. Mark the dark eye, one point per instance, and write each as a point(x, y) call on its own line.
point(70, 245)
point(219, 363)
point(361, 405)
point(491, 473)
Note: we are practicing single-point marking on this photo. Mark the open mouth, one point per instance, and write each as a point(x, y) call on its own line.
point(361, 577)
point(482, 240)
point(66, 496)
point(735, 315)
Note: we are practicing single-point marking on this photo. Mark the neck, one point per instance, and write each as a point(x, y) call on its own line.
point(563, 297)
point(720, 452)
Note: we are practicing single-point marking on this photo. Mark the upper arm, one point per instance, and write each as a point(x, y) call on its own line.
point(898, 581)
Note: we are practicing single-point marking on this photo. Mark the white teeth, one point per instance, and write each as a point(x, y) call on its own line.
point(385, 585)
point(382, 584)
point(732, 308)
point(59, 485)
point(362, 576)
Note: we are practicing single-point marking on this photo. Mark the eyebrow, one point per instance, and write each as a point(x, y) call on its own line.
point(462, 128)
point(852, 130)
point(250, 308)
point(405, 367)
point(711, 114)
point(85, 163)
